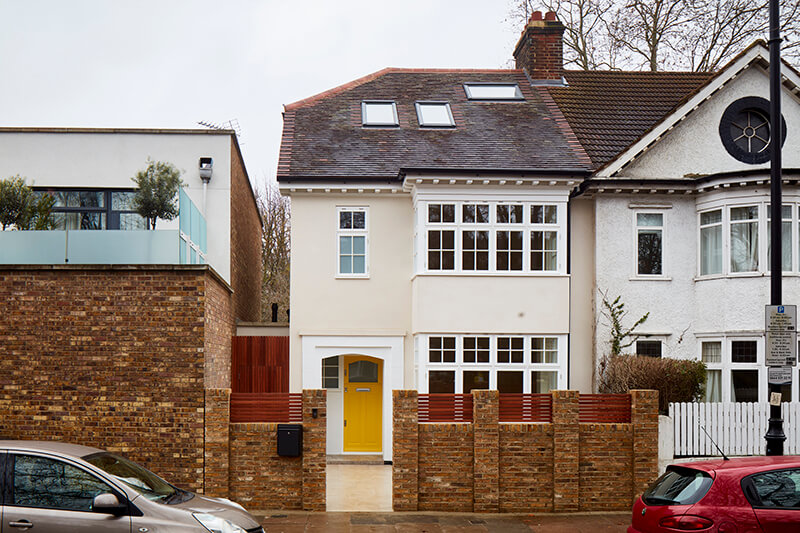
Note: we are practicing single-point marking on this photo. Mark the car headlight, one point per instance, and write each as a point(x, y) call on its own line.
point(215, 524)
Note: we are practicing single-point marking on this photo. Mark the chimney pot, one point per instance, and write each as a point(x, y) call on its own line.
point(550, 15)
point(537, 15)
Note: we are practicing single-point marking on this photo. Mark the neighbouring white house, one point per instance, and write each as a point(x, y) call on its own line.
point(453, 229)
point(682, 226)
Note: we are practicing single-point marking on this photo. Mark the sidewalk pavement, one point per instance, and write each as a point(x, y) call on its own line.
point(430, 522)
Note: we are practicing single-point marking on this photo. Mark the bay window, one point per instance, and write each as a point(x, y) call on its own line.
point(733, 370)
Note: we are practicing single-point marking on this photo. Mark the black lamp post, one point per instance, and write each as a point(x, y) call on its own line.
point(775, 436)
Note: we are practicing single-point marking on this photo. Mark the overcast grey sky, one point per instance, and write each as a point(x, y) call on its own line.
point(171, 63)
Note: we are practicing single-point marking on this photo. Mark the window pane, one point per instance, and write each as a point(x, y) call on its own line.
point(359, 220)
point(778, 489)
point(434, 114)
point(378, 113)
point(476, 349)
point(542, 381)
point(786, 246)
point(475, 380)
point(359, 264)
point(330, 373)
point(544, 350)
point(711, 250)
point(543, 214)
point(362, 372)
point(712, 352)
point(131, 221)
point(711, 217)
point(509, 382)
point(50, 484)
point(345, 219)
point(80, 220)
point(713, 386)
point(441, 382)
point(346, 264)
point(359, 245)
point(434, 213)
point(649, 252)
point(744, 351)
point(648, 348)
point(649, 219)
point(744, 385)
point(122, 200)
point(744, 213)
point(346, 245)
point(493, 92)
point(509, 214)
point(744, 246)
point(509, 350)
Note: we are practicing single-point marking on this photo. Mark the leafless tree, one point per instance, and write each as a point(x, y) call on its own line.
point(275, 252)
point(699, 35)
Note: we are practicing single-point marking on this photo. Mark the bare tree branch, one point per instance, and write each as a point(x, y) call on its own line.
point(275, 249)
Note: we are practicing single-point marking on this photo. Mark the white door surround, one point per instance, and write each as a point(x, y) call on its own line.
point(315, 348)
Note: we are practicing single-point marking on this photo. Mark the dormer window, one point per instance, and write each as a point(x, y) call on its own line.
point(435, 114)
point(493, 91)
point(379, 113)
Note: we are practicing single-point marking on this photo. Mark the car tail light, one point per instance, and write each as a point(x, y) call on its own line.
point(686, 522)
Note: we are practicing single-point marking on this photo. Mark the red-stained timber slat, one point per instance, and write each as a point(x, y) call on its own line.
point(445, 407)
point(604, 408)
point(260, 364)
point(515, 407)
point(266, 407)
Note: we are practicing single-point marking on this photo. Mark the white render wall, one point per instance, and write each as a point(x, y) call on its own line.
point(111, 159)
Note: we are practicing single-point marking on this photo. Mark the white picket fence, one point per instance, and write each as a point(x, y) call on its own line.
point(737, 428)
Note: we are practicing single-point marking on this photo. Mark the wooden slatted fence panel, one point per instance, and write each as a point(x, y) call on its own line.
point(604, 408)
point(266, 407)
point(444, 407)
point(515, 407)
point(260, 364)
point(737, 428)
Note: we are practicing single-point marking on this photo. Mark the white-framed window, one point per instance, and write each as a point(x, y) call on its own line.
point(493, 237)
point(459, 363)
point(734, 238)
point(352, 242)
point(330, 372)
point(493, 91)
point(379, 113)
point(735, 369)
point(434, 114)
point(649, 243)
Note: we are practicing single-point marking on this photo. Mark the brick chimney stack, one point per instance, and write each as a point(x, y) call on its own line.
point(541, 47)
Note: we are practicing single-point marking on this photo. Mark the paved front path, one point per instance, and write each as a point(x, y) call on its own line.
point(296, 522)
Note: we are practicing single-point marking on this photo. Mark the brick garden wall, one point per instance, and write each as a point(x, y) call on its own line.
point(488, 466)
point(111, 357)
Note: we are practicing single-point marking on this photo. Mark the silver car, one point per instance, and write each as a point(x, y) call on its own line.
point(54, 487)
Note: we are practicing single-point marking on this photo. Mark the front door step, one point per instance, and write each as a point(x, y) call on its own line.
point(365, 459)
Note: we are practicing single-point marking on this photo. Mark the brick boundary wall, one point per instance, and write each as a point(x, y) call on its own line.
point(488, 466)
point(251, 472)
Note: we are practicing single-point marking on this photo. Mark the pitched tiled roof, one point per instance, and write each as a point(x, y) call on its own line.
point(323, 136)
point(609, 110)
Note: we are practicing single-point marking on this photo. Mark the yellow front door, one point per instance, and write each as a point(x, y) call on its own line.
point(363, 402)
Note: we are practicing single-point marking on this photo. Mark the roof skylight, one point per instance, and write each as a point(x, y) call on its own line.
point(493, 91)
point(379, 113)
point(434, 114)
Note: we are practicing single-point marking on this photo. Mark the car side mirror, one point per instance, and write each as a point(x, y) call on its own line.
point(108, 503)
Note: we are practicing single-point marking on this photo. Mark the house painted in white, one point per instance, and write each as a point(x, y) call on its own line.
point(682, 227)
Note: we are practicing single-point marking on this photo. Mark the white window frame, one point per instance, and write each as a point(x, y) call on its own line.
point(346, 232)
point(367, 103)
point(762, 204)
point(493, 366)
point(637, 228)
point(726, 364)
point(492, 227)
point(420, 118)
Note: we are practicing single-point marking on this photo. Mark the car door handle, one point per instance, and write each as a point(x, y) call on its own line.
point(22, 523)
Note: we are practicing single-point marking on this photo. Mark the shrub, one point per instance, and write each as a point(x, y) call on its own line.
point(676, 380)
point(158, 186)
point(22, 208)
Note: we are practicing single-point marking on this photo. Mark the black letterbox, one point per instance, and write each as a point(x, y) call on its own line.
point(290, 440)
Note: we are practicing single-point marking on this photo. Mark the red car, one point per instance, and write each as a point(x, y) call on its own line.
point(740, 495)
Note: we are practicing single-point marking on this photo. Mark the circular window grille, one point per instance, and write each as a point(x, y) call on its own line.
point(745, 132)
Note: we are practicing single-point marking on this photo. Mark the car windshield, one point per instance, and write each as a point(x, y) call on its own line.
point(139, 478)
point(678, 486)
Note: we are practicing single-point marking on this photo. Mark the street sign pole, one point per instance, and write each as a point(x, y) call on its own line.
point(775, 436)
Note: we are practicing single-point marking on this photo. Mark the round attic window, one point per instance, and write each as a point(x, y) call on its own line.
point(745, 132)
